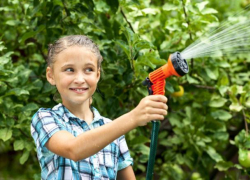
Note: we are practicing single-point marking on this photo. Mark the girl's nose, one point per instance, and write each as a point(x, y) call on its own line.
point(79, 78)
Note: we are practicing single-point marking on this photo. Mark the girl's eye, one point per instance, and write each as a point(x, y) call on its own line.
point(89, 70)
point(69, 70)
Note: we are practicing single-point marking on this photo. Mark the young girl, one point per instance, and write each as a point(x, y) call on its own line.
point(73, 140)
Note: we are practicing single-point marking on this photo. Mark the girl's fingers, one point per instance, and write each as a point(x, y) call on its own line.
point(158, 105)
point(158, 111)
point(150, 108)
point(158, 98)
point(156, 117)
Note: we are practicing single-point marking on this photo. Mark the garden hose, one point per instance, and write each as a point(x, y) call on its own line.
point(155, 83)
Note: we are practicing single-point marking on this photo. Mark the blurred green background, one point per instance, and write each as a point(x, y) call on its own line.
point(205, 128)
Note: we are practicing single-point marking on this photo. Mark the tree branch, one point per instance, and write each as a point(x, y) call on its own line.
point(205, 87)
point(189, 31)
point(124, 16)
point(245, 120)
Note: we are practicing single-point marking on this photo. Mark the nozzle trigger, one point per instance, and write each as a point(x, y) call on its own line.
point(149, 84)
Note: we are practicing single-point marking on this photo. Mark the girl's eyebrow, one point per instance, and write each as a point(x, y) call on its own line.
point(67, 65)
point(71, 65)
point(89, 64)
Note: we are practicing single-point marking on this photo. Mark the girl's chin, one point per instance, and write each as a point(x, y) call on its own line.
point(77, 102)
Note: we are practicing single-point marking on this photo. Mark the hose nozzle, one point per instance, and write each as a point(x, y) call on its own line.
point(176, 66)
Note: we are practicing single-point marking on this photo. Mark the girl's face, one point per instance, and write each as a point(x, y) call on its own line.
point(75, 74)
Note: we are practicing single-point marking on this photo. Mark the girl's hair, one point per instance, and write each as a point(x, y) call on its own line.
point(72, 40)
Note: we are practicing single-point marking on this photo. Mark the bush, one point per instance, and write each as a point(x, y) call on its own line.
point(203, 131)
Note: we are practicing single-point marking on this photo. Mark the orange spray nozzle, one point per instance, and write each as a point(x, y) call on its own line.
point(176, 66)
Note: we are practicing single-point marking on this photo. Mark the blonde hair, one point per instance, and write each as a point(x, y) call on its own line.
point(72, 40)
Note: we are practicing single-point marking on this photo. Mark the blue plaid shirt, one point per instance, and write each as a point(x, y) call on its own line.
point(101, 166)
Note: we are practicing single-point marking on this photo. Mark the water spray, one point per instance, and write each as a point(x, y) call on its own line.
point(176, 66)
point(231, 37)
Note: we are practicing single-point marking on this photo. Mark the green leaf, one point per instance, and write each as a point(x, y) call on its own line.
point(223, 90)
point(142, 44)
point(29, 146)
point(114, 5)
point(209, 11)
point(145, 60)
point(188, 112)
point(224, 64)
point(18, 145)
point(237, 166)
point(224, 165)
point(130, 36)
point(139, 140)
point(141, 167)
point(242, 140)
point(219, 102)
point(27, 35)
point(212, 74)
point(235, 107)
point(247, 103)
point(215, 126)
point(13, 22)
point(169, 87)
point(24, 157)
point(37, 85)
point(235, 89)
point(221, 136)
point(213, 154)
point(202, 5)
point(30, 107)
point(175, 120)
point(124, 46)
point(169, 7)
point(17, 92)
point(5, 59)
point(5, 134)
point(101, 6)
point(24, 75)
point(152, 11)
point(2, 47)
point(3, 87)
point(222, 115)
point(192, 80)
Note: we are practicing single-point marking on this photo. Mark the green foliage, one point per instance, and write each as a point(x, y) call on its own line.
point(203, 129)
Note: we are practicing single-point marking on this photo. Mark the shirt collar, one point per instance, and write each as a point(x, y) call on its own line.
point(62, 111)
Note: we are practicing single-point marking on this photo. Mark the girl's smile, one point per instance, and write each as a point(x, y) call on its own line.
point(79, 90)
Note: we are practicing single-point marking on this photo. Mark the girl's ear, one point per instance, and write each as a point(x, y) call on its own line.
point(50, 76)
point(99, 74)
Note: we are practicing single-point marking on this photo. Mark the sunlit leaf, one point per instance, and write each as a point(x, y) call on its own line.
point(219, 102)
point(17, 92)
point(24, 157)
point(213, 154)
point(235, 107)
point(223, 165)
point(222, 115)
point(18, 145)
point(5, 134)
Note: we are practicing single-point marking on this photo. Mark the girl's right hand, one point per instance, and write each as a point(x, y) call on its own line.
point(150, 108)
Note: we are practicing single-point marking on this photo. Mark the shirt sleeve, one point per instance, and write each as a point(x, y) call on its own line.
point(124, 159)
point(44, 124)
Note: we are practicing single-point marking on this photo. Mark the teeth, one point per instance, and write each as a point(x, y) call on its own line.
point(79, 90)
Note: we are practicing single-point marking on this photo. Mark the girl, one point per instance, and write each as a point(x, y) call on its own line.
point(73, 140)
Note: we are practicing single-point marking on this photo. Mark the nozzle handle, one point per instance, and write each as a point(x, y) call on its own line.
point(149, 84)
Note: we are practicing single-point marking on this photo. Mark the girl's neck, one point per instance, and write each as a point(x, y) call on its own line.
point(81, 111)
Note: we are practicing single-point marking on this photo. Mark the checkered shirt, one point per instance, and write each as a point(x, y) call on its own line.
point(101, 166)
